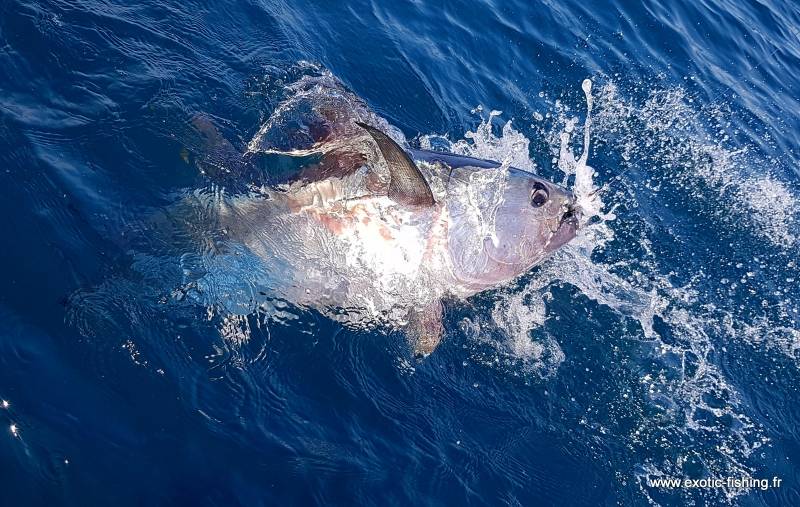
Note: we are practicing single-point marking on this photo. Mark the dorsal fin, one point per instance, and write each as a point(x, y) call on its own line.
point(406, 184)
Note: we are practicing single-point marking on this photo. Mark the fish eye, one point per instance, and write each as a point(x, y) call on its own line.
point(539, 195)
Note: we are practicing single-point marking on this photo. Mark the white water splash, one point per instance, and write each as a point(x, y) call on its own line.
point(586, 195)
point(511, 147)
point(685, 390)
point(677, 139)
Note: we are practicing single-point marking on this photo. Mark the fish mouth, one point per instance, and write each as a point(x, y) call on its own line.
point(571, 216)
point(567, 228)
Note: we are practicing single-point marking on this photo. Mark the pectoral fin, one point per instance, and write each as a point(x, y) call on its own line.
point(407, 185)
point(425, 328)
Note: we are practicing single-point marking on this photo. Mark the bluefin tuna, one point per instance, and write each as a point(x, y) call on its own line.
point(372, 233)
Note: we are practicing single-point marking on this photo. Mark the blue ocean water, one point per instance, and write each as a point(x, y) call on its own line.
point(667, 345)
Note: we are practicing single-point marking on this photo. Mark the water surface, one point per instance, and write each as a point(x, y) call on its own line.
point(663, 343)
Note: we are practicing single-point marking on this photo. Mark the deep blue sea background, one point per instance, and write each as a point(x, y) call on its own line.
point(117, 395)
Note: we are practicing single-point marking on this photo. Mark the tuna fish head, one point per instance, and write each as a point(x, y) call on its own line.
point(502, 222)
